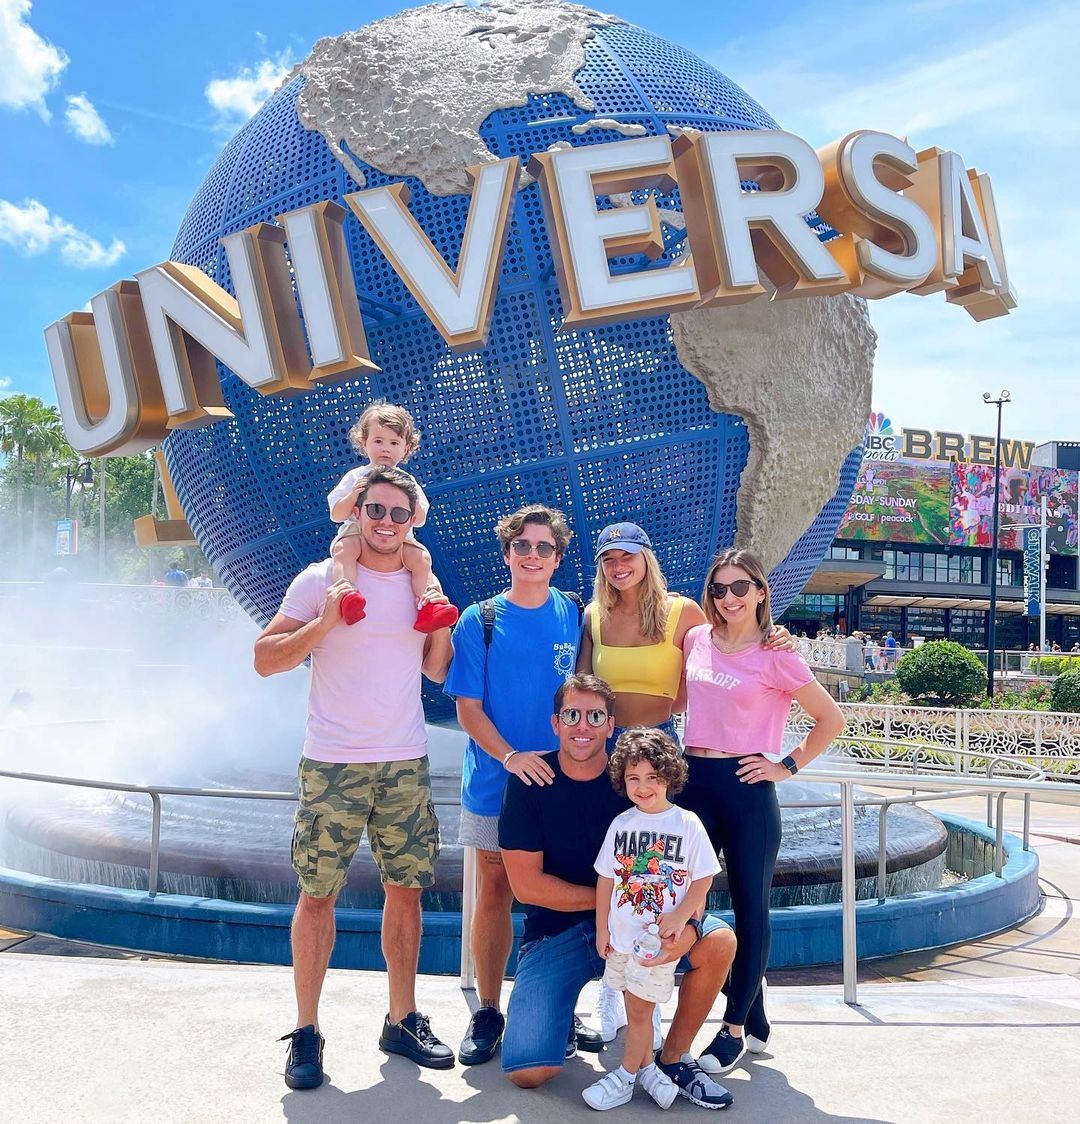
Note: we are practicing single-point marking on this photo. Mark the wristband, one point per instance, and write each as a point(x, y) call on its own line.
point(507, 758)
point(789, 764)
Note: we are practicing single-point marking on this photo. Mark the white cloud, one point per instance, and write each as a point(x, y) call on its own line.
point(237, 98)
point(5, 383)
point(31, 65)
point(85, 122)
point(32, 230)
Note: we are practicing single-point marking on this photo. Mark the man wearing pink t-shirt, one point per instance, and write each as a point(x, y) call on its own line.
point(364, 766)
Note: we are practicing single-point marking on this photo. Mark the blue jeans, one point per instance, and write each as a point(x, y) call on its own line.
point(667, 727)
point(551, 972)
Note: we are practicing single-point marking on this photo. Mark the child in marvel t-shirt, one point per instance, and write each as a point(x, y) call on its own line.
point(655, 867)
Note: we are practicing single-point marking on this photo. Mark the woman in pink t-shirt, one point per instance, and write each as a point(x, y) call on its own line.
point(738, 697)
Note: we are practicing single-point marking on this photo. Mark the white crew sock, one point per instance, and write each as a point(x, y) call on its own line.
point(626, 1075)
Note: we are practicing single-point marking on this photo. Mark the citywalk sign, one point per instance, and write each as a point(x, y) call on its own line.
point(143, 360)
point(1033, 566)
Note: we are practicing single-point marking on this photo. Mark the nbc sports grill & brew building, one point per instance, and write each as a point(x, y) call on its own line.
point(912, 553)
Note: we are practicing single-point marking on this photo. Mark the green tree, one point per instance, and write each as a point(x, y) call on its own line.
point(21, 421)
point(941, 673)
point(1065, 692)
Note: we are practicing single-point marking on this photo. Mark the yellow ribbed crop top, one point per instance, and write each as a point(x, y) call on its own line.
point(647, 669)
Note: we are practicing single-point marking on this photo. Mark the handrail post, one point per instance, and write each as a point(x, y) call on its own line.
point(847, 890)
point(1027, 821)
point(468, 906)
point(999, 840)
point(155, 842)
point(883, 828)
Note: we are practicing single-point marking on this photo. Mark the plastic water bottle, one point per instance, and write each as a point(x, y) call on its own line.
point(647, 946)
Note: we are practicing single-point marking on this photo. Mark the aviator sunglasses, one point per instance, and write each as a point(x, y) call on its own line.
point(740, 588)
point(571, 716)
point(522, 548)
point(378, 510)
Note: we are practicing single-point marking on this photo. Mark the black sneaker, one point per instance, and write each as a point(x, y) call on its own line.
point(413, 1038)
point(303, 1070)
point(723, 1053)
point(483, 1036)
point(587, 1039)
point(571, 1041)
point(694, 1083)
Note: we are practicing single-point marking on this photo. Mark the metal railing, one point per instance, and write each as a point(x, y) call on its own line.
point(1050, 738)
point(948, 786)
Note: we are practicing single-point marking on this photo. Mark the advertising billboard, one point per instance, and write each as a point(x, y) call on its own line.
point(1021, 492)
point(933, 503)
point(899, 501)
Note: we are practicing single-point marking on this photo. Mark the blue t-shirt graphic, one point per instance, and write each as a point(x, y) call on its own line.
point(532, 652)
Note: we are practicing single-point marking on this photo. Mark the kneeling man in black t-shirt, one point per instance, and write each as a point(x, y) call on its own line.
point(549, 836)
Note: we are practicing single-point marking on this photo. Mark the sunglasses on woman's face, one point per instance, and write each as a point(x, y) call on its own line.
point(740, 588)
point(523, 548)
point(378, 511)
point(571, 716)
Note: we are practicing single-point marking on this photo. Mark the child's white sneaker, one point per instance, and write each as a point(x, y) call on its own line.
point(658, 1085)
point(609, 1092)
point(610, 1012)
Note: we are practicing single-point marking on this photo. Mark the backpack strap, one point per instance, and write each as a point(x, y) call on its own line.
point(487, 616)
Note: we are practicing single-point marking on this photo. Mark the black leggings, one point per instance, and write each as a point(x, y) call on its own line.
point(743, 821)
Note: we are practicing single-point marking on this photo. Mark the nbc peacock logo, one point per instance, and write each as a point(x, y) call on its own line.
point(880, 443)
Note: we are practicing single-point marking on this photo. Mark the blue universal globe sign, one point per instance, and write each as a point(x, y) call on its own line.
point(604, 423)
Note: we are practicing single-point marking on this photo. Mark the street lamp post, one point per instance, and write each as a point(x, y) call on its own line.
point(72, 477)
point(991, 635)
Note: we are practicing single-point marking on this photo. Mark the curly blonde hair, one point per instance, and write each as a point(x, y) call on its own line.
point(643, 743)
point(396, 418)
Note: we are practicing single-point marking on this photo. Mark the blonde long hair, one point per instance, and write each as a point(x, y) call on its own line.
point(652, 600)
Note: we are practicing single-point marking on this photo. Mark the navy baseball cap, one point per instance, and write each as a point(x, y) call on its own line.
point(622, 536)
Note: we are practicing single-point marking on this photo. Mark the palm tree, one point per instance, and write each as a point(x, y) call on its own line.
point(45, 446)
point(20, 416)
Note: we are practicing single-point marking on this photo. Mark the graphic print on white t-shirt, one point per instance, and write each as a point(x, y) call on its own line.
point(653, 860)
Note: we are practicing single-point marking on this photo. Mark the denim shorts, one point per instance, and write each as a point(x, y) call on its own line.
point(550, 974)
point(667, 727)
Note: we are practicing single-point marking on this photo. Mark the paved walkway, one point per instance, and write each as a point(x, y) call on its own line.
point(987, 1031)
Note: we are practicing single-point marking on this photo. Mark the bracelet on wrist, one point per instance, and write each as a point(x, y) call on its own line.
point(506, 759)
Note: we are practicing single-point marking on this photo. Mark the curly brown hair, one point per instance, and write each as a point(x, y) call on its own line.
point(396, 418)
point(642, 743)
point(537, 514)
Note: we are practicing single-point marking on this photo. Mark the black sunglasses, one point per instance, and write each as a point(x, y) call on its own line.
point(522, 548)
point(740, 588)
point(397, 514)
point(571, 716)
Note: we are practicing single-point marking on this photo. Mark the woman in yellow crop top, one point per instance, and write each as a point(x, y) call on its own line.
point(634, 630)
point(633, 638)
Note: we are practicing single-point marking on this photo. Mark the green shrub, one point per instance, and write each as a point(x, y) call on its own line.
point(1065, 692)
point(941, 673)
point(1055, 665)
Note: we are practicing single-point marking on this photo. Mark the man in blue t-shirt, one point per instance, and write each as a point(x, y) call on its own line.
point(504, 692)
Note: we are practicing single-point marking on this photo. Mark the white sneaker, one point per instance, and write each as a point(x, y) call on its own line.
point(760, 1045)
point(658, 1085)
point(657, 1031)
point(610, 1012)
point(609, 1092)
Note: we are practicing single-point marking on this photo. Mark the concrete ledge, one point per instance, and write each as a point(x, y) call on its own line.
point(214, 929)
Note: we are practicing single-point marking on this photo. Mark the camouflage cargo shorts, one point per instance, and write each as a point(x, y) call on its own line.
point(390, 799)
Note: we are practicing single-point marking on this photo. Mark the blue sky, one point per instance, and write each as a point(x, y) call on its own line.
point(111, 114)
